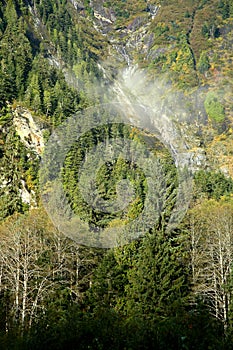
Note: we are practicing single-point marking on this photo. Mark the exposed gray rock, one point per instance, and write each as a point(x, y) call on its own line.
point(153, 10)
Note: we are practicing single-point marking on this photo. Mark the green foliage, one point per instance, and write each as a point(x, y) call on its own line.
point(137, 296)
point(213, 184)
point(107, 177)
point(214, 108)
point(18, 166)
point(156, 280)
point(48, 93)
point(161, 29)
point(225, 8)
point(5, 116)
point(203, 63)
point(15, 63)
point(27, 76)
point(205, 30)
point(11, 170)
point(210, 30)
point(126, 11)
point(106, 329)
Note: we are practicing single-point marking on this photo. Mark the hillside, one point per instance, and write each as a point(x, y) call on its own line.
point(116, 174)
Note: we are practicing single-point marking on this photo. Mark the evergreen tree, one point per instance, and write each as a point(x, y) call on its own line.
point(157, 279)
point(11, 176)
point(203, 64)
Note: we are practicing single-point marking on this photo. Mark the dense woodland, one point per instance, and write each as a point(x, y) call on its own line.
point(170, 289)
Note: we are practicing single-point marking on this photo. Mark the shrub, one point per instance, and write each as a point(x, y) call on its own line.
point(214, 108)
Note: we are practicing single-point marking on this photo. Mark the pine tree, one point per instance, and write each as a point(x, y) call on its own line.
point(11, 175)
point(204, 63)
point(157, 279)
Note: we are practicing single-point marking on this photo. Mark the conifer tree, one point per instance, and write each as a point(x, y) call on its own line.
point(157, 279)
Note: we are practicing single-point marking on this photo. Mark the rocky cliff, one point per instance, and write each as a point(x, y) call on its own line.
point(29, 131)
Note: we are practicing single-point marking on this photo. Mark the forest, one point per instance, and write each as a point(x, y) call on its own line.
point(170, 287)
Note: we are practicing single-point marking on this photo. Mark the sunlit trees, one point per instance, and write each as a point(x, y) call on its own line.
point(27, 276)
point(211, 235)
point(37, 265)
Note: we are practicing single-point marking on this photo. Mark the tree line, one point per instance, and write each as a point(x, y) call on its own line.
point(166, 290)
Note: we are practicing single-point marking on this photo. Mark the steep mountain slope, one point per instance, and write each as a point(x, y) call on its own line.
point(99, 47)
point(116, 122)
point(86, 43)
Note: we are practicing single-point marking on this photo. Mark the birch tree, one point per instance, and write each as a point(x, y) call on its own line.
point(37, 264)
point(211, 237)
point(26, 276)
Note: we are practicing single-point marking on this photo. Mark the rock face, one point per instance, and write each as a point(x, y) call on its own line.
point(78, 5)
point(28, 197)
point(30, 132)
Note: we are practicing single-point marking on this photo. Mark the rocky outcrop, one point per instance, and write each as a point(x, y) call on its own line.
point(78, 5)
point(29, 131)
point(153, 9)
point(28, 197)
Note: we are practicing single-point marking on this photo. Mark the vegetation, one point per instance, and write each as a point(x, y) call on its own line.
point(169, 289)
point(214, 108)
